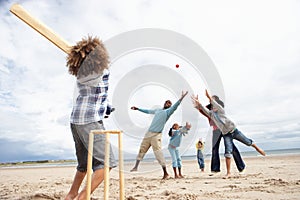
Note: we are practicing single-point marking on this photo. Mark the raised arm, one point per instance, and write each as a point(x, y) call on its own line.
point(172, 109)
point(203, 113)
point(214, 102)
point(184, 130)
point(199, 106)
point(183, 94)
point(188, 125)
point(207, 95)
point(143, 110)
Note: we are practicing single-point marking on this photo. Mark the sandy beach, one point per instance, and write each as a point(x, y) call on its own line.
point(270, 177)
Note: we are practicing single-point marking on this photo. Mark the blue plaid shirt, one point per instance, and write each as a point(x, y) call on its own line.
point(91, 102)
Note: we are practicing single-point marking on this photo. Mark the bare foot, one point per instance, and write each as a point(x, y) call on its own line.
point(181, 176)
point(259, 150)
point(212, 173)
point(176, 176)
point(133, 170)
point(166, 176)
point(71, 197)
point(227, 176)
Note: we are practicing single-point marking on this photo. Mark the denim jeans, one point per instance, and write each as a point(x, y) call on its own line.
point(228, 141)
point(176, 159)
point(215, 159)
point(200, 159)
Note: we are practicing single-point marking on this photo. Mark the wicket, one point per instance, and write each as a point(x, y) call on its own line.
point(106, 164)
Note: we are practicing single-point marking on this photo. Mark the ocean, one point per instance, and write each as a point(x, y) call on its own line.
point(68, 163)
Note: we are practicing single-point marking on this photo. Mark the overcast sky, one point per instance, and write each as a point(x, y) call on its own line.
point(254, 45)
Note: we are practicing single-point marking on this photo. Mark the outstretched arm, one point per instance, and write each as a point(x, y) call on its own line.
point(143, 110)
point(171, 110)
point(199, 106)
point(213, 102)
point(183, 94)
point(203, 113)
point(196, 102)
point(207, 95)
point(184, 130)
point(188, 125)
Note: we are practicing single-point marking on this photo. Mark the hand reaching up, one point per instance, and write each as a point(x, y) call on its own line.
point(196, 102)
point(183, 94)
point(207, 95)
point(188, 125)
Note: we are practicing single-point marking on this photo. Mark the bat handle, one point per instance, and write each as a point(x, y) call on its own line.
point(37, 25)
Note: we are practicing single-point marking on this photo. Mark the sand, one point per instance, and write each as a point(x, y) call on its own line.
point(270, 177)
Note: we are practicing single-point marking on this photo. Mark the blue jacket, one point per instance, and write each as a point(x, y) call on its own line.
point(176, 137)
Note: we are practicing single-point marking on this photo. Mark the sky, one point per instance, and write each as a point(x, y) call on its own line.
point(254, 46)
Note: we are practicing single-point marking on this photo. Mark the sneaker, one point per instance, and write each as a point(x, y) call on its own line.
point(242, 172)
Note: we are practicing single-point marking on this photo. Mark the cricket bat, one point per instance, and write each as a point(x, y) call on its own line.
point(40, 27)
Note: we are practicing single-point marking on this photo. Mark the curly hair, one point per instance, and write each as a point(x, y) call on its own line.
point(98, 56)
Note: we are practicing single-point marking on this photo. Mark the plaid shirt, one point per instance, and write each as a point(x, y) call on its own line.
point(91, 102)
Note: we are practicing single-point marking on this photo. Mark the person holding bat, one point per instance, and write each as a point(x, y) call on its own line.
point(88, 61)
point(227, 126)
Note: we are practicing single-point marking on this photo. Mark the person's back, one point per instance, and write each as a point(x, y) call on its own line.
point(91, 102)
point(88, 61)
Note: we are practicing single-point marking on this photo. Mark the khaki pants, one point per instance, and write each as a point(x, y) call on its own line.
point(154, 140)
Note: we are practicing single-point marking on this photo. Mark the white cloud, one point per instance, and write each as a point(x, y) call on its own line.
point(254, 44)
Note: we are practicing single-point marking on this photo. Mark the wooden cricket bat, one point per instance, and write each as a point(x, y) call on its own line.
point(37, 25)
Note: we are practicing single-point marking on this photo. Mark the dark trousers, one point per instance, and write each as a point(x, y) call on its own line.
point(215, 158)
